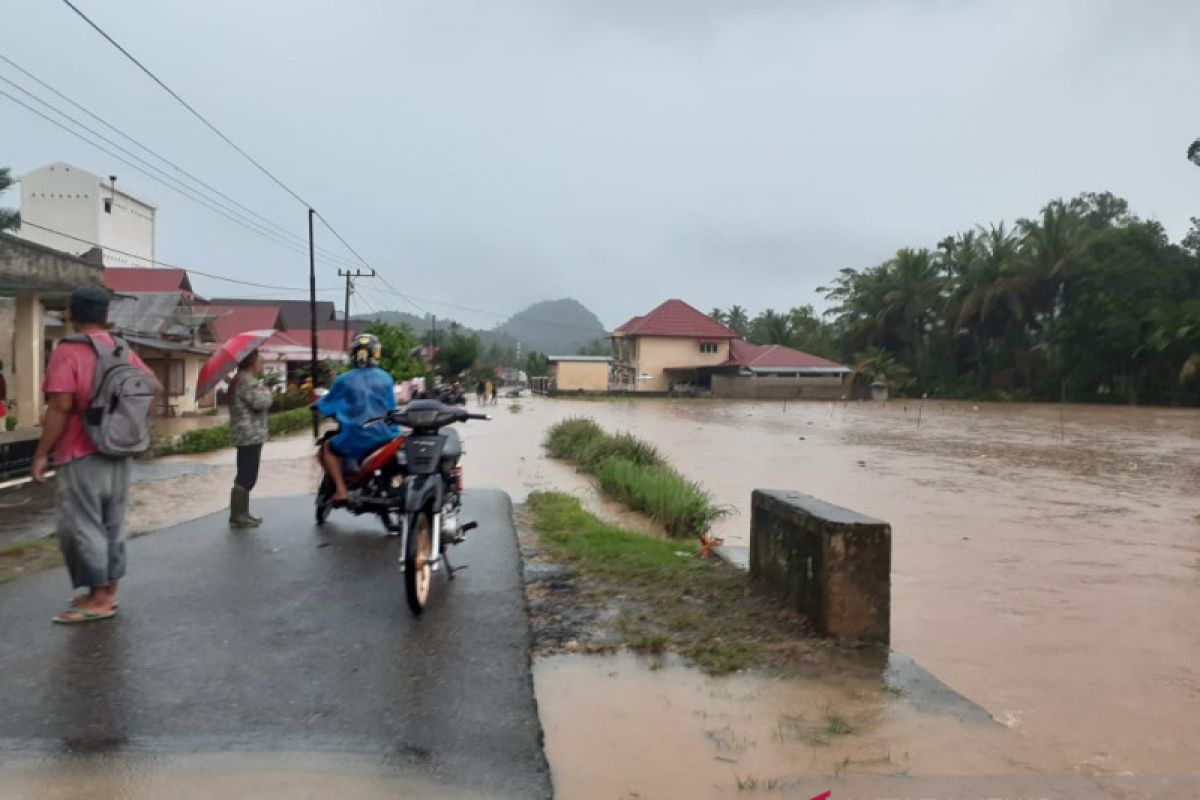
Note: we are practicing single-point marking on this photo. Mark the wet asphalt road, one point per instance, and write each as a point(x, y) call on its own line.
point(289, 638)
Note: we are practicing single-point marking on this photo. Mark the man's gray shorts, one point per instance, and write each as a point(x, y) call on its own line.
point(92, 494)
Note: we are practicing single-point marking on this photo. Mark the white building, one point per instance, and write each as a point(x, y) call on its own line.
point(86, 208)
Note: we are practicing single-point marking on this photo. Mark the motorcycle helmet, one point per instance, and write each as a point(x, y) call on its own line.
point(366, 351)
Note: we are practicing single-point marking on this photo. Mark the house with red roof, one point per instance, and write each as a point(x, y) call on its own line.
point(677, 347)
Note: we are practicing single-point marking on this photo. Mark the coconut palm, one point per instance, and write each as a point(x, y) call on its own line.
point(737, 320)
point(8, 218)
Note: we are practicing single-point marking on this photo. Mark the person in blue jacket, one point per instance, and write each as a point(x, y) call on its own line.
point(363, 393)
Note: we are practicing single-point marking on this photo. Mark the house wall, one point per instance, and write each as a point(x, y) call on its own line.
point(71, 200)
point(653, 354)
point(65, 199)
point(800, 387)
point(130, 227)
point(575, 376)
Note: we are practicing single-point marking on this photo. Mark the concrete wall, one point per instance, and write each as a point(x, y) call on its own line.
point(653, 354)
point(831, 564)
point(574, 376)
point(66, 199)
point(130, 228)
point(801, 387)
point(71, 200)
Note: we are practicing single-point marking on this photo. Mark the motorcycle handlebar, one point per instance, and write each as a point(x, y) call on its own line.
point(479, 416)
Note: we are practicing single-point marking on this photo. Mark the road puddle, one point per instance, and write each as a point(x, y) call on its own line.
point(628, 726)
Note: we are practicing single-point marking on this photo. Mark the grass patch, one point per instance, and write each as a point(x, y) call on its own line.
point(205, 440)
point(514, 408)
point(819, 733)
point(635, 473)
point(667, 599)
point(23, 558)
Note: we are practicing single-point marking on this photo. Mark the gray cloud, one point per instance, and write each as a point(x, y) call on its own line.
point(494, 154)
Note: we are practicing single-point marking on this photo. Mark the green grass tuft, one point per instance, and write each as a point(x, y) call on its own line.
point(633, 472)
point(667, 599)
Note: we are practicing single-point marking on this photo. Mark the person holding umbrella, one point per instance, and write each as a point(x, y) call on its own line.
point(249, 402)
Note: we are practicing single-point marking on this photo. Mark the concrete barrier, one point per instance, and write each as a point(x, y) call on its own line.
point(831, 564)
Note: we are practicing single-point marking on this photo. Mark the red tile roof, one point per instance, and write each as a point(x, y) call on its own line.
point(239, 319)
point(327, 339)
point(676, 318)
point(745, 354)
point(146, 279)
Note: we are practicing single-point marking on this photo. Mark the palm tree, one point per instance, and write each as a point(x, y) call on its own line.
point(771, 327)
point(718, 315)
point(914, 288)
point(8, 218)
point(737, 320)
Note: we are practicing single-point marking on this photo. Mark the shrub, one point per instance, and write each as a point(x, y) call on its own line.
point(201, 440)
point(682, 507)
point(634, 473)
point(292, 398)
point(568, 439)
point(292, 421)
point(205, 440)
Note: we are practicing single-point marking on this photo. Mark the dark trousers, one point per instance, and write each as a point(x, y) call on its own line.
point(248, 457)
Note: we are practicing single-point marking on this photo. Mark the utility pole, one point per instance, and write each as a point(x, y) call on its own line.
point(350, 276)
point(312, 312)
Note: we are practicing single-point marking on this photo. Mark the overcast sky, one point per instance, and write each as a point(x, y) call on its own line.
point(496, 153)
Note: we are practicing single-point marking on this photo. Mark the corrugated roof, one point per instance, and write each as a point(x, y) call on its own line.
point(775, 356)
point(147, 279)
point(676, 318)
point(150, 313)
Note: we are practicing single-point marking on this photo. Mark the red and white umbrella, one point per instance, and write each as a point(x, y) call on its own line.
point(227, 357)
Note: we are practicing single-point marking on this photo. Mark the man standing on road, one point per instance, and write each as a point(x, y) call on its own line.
point(92, 488)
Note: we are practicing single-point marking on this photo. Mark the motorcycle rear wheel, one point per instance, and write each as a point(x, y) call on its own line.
point(324, 493)
point(418, 560)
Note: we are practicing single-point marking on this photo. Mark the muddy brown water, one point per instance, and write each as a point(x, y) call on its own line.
point(1046, 566)
point(1046, 560)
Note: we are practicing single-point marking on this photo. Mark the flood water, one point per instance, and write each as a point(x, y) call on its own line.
point(1046, 566)
point(1046, 561)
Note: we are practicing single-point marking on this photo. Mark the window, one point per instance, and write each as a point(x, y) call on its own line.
point(708, 347)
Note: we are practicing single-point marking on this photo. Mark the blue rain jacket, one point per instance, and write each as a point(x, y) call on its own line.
point(355, 397)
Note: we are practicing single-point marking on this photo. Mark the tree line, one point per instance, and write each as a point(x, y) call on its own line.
point(1086, 301)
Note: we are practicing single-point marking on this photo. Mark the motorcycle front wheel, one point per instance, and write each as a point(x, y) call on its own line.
point(418, 560)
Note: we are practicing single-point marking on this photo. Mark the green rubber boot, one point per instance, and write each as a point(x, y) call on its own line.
point(239, 509)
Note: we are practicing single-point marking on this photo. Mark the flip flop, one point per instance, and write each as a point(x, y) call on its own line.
point(84, 616)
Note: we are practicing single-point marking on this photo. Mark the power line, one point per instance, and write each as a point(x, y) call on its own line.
point(206, 202)
point(174, 266)
point(186, 105)
point(213, 128)
point(299, 239)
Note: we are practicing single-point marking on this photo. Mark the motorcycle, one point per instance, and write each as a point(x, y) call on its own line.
point(416, 487)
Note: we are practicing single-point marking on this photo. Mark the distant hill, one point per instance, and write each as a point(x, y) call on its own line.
point(554, 327)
